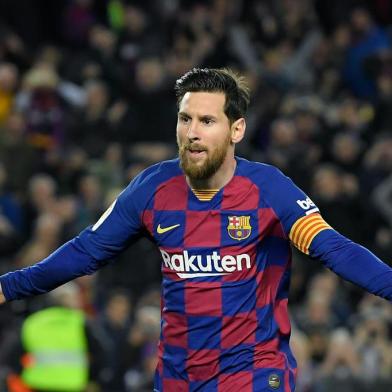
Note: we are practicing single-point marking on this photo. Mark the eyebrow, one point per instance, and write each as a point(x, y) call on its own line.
point(202, 117)
point(183, 114)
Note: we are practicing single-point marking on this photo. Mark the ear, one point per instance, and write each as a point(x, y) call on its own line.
point(238, 130)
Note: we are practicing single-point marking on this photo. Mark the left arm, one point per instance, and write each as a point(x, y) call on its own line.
point(347, 259)
point(309, 233)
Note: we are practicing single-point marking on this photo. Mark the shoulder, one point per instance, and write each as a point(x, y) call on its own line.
point(145, 184)
point(261, 174)
point(158, 173)
point(140, 192)
point(275, 188)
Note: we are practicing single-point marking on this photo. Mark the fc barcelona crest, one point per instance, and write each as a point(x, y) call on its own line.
point(239, 227)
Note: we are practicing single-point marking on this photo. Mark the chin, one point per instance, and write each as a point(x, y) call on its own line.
point(200, 171)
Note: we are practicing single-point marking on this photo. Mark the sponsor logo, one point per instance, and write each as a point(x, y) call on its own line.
point(193, 266)
point(274, 381)
point(161, 230)
point(308, 206)
point(239, 227)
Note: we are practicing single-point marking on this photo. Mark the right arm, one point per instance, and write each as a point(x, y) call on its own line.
point(82, 255)
point(68, 262)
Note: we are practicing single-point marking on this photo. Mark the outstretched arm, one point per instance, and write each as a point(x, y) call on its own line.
point(353, 262)
point(68, 262)
point(309, 232)
point(314, 237)
point(81, 256)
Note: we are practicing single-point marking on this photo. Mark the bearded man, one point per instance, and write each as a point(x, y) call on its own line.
point(224, 227)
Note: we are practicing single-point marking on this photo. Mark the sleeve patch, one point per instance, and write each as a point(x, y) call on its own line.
point(305, 230)
point(104, 216)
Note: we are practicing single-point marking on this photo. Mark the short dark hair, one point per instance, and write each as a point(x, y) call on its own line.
point(223, 80)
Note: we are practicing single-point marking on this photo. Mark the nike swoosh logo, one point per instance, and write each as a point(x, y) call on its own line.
point(161, 230)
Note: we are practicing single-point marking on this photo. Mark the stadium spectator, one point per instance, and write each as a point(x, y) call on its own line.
point(114, 323)
point(55, 348)
point(8, 85)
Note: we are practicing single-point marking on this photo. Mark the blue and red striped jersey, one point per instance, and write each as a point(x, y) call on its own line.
point(226, 269)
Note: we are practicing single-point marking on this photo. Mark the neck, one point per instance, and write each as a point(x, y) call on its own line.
point(217, 181)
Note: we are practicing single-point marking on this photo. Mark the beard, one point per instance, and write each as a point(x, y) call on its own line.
point(196, 170)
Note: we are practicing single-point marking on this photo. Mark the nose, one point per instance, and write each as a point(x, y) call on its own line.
point(192, 132)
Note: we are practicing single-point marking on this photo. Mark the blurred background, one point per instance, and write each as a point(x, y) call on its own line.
point(86, 102)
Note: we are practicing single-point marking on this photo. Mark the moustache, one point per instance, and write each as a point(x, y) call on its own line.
point(194, 147)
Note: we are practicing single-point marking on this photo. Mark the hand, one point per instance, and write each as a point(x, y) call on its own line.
point(2, 298)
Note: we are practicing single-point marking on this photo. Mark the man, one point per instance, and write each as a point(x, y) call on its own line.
point(223, 226)
point(56, 348)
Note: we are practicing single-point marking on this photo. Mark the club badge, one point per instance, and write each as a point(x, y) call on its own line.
point(239, 227)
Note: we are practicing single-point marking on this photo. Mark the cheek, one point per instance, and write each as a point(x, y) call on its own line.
point(222, 139)
point(180, 132)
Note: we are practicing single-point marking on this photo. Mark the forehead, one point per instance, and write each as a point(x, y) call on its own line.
point(203, 103)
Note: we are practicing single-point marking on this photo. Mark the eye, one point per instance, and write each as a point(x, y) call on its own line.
point(184, 119)
point(208, 121)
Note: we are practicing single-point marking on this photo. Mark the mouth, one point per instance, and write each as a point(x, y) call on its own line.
point(196, 152)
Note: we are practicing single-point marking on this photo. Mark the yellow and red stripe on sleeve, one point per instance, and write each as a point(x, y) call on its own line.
point(305, 229)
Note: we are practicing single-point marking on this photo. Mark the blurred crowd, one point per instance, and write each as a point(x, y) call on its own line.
point(86, 102)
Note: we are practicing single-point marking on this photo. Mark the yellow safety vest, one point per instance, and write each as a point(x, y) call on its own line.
point(55, 340)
